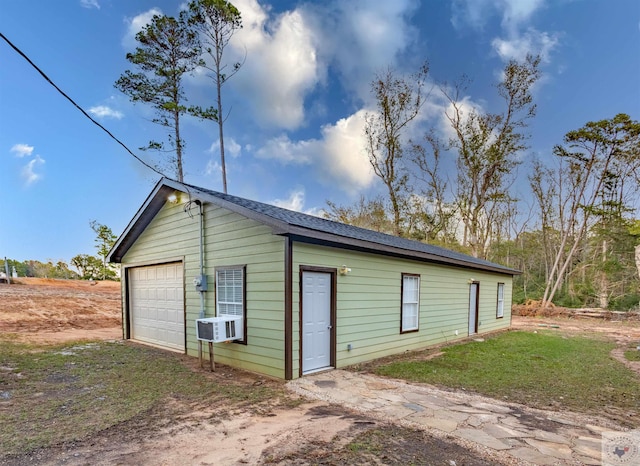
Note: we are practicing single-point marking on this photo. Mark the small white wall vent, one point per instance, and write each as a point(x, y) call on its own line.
point(220, 329)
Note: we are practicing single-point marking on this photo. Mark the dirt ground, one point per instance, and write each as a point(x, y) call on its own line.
point(55, 311)
point(41, 310)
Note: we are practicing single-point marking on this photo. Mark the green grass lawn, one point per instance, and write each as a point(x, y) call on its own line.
point(538, 369)
point(50, 395)
point(632, 354)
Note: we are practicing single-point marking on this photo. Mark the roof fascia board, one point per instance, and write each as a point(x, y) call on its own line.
point(122, 241)
point(157, 199)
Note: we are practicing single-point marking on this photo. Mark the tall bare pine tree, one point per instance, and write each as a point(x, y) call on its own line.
point(217, 21)
point(168, 49)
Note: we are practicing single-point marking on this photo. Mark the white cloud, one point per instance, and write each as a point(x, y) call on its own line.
point(281, 148)
point(361, 38)
point(345, 159)
point(102, 111)
point(22, 150)
point(29, 170)
point(289, 54)
point(517, 12)
point(212, 168)
point(531, 42)
point(470, 13)
point(90, 4)
point(136, 24)
point(294, 202)
point(476, 13)
point(231, 147)
point(519, 38)
point(465, 107)
point(282, 65)
point(338, 157)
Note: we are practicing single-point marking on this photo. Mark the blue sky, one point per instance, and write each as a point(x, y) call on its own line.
point(294, 134)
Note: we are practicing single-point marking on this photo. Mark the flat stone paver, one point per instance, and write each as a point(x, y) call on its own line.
point(533, 456)
point(477, 420)
point(451, 415)
point(494, 408)
point(524, 434)
point(395, 411)
point(550, 437)
point(499, 431)
point(557, 450)
point(481, 437)
point(590, 447)
point(445, 425)
point(588, 460)
point(425, 400)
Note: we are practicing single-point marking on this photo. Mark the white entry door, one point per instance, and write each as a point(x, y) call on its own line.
point(316, 321)
point(473, 308)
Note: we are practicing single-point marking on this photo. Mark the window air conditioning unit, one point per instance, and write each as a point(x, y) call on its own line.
point(220, 329)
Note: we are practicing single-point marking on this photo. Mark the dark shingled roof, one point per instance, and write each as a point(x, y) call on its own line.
point(323, 225)
point(303, 227)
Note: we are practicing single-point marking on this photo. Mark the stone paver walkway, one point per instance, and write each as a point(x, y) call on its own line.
point(510, 432)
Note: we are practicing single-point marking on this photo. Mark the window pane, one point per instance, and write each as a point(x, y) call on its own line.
point(410, 290)
point(500, 303)
point(410, 302)
point(229, 292)
point(410, 317)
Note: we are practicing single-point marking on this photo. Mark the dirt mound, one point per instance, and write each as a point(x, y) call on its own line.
point(68, 284)
point(532, 308)
point(34, 305)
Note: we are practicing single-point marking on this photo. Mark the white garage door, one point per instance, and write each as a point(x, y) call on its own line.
point(156, 303)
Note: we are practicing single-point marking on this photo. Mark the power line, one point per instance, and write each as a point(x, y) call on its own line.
point(43, 74)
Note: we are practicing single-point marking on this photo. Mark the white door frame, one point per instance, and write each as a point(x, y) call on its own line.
point(329, 339)
point(474, 299)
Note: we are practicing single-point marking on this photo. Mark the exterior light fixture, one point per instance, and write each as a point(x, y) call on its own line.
point(344, 270)
point(173, 198)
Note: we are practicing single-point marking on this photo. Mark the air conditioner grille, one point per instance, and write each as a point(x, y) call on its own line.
point(219, 329)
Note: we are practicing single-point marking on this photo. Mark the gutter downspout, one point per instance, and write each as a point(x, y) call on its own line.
point(202, 276)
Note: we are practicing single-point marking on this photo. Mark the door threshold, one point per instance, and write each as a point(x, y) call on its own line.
point(315, 371)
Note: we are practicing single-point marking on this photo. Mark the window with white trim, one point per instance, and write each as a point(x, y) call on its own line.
point(500, 301)
point(410, 303)
point(230, 294)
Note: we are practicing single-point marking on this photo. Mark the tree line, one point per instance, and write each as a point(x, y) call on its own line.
point(88, 267)
point(576, 242)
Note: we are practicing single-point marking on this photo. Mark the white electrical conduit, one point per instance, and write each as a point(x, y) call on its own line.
point(201, 213)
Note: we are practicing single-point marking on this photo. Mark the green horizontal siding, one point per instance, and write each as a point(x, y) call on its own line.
point(230, 239)
point(369, 301)
point(368, 298)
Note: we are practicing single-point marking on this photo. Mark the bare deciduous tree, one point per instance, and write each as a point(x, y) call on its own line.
point(398, 100)
point(595, 154)
point(487, 145)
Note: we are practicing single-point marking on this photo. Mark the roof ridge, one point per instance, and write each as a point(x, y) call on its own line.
point(309, 222)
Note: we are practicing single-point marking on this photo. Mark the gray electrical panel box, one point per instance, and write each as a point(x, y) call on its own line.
point(200, 282)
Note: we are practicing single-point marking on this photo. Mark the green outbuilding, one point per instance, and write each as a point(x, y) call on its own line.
point(302, 294)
